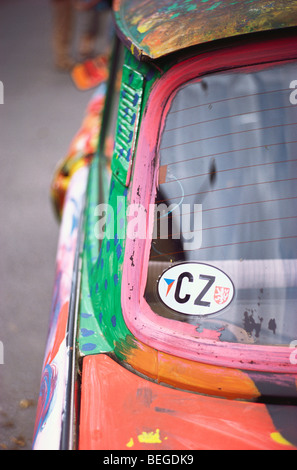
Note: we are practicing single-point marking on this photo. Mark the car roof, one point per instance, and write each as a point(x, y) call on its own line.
point(154, 28)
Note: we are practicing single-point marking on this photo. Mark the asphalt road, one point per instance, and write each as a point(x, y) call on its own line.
point(42, 111)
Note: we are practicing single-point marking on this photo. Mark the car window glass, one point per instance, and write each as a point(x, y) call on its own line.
point(227, 198)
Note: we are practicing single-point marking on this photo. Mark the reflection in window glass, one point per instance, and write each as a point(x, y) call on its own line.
point(228, 175)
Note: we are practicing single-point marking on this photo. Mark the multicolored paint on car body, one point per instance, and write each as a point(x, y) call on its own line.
point(153, 29)
point(81, 150)
point(51, 402)
point(148, 375)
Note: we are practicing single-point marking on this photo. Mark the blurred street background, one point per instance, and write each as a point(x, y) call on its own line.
point(41, 113)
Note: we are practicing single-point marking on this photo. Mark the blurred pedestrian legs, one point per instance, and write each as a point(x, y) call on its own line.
point(93, 11)
point(63, 24)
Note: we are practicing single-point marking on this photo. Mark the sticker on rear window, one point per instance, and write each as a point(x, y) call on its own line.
point(195, 289)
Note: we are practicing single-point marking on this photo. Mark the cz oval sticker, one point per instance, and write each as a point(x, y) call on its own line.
point(195, 289)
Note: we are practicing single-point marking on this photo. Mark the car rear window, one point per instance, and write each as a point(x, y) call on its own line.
point(226, 203)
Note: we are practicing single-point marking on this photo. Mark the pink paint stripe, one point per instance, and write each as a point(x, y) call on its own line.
point(169, 336)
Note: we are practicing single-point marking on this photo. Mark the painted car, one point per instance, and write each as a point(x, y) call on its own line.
point(173, 322)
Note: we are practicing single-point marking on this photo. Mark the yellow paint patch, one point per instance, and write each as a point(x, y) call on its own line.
point(277, 437)
point(135, 19)
point(150, 437)
point(145, 25)
point(130, 443)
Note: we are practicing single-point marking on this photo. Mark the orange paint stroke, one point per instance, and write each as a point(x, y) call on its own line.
point(189, 375)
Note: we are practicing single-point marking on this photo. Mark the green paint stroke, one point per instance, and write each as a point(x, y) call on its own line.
point(191, 7)
point(90, 338)
point(173, 7)
point(102, 327)
point(214, 6)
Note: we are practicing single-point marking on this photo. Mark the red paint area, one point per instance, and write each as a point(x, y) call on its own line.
point(121, 411)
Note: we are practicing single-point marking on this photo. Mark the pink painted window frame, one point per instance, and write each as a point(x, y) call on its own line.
point(165, 335)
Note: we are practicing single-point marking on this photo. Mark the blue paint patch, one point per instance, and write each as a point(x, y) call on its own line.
point(108, 219)
point(86, 315)
point(99, 259)
point(119, 206)
point(136, 98)
point(113, 321)
point(119, 251)
point(112, 187)
point(88, 347)
point(74, 223)
point(133, 119)
point(128, 155)
point(85, 332)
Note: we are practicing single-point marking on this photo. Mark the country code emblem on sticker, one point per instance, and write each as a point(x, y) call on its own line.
point(221, 295)
point(195, 289)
